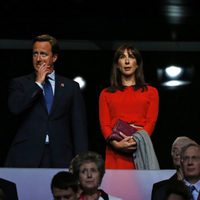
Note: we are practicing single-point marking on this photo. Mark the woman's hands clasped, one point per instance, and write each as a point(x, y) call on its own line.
point(127, 144)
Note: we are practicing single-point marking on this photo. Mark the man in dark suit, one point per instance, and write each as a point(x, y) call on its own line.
point(53, 130)
point(8, 190)
point(190, 164)
point(159, 188)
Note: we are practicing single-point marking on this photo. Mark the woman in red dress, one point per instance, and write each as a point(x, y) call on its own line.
point(130, 99)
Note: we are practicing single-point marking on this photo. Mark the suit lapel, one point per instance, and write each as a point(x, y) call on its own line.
point(59, 86)
point(31, 78)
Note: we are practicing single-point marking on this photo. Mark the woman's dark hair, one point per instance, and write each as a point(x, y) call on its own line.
point(89, 156)
point(179, 188)
point(115, 80)
point(48, 38)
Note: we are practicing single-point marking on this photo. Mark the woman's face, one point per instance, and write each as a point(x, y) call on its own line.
point(176, 150)
point(89, 176)
point(127, 63)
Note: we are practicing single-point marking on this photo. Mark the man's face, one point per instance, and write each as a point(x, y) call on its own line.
point(191, 164)
point(42, 53)
point(65, 194)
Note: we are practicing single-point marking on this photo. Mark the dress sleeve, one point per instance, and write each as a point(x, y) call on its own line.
point(104, 114)
point(152, 112)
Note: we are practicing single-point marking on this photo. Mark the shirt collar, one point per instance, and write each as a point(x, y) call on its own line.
point(197, 185)
point(52, 75)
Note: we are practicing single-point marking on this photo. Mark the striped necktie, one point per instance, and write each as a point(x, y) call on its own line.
point(192, 188)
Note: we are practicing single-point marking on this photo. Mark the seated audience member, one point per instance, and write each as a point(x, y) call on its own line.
point(177, 146)
point(8, 190)
point(89, 168)
point(159, 188)
point(64, 186)
point(190, 164)
point(177, 190)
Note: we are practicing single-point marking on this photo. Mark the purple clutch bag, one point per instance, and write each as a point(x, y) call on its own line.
point(121, 126)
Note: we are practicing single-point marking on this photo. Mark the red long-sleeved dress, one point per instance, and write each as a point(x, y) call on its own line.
point(135, 107)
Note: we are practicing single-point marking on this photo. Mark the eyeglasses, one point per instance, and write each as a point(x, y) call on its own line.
point(191, 159)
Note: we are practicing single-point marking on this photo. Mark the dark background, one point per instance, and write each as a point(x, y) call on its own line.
point(165, 31)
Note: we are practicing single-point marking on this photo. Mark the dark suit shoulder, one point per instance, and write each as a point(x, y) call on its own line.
point(30, 75)
point(9, 189)
point(4, 181)
point(24, 77)
point(174, 177)
point(66, 80)
point(161, 183)
point(165, 181)
point(159, 188)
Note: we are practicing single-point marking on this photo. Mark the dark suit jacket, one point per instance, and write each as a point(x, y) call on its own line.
point(9, 189)
point(160, 188)
point(66, 123)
